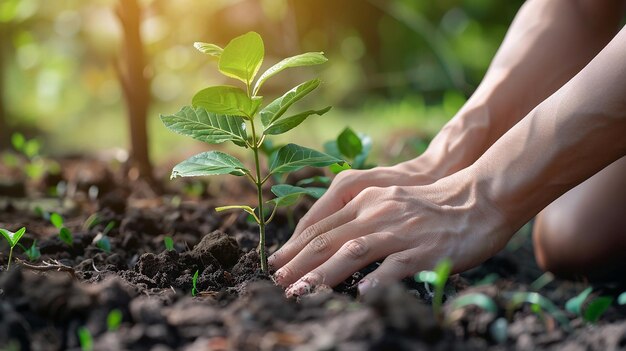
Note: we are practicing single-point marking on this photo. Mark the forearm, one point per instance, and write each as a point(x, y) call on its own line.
point(569, 137)
point(548, 42)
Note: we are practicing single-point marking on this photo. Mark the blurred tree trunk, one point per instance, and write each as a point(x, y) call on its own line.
point(131, 69)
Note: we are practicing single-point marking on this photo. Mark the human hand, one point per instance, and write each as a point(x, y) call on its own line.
point(412, 227)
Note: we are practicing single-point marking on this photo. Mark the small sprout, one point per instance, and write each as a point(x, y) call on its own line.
point(351, 146)
point(438, 279)
point(12, 239)
point(596, 308)
point(32, 252)
point(85, 339)
point(56, 220)
point(194, 282)
point(66, 236)
point(574, 305)
point(109, 227)
point(114, 320)
point(621, 299)
point(169, 243)
point(91, 221)
point(519, 298)
point(103, 243)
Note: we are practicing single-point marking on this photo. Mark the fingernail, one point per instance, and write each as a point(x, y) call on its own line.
point(298, 288)
point(279, 275)
point(366, 285)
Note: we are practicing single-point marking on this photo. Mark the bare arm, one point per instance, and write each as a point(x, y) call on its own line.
point(548, 43)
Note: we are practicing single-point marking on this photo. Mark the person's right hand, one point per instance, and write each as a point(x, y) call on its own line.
point(347, 185)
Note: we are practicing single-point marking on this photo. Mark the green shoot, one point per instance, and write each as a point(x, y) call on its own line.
point(169, 243)
point(351, 146)
point(103, 243)
point(12, 239)
point(594, 309)
point(438, 279)
point(621, 299)
point(114, 320)
point(32, 252)
point(194, 282)
point(64, 234)
point(235, 114)
point(85, 339)
point(519, 298)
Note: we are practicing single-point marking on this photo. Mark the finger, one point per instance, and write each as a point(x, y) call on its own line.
point(316, 252)
point(351, 257)
point(398, 266)
point(293, 246)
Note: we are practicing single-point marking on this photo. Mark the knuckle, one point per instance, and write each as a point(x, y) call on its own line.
point(320, 244)
point(400, 259)
point(356, 248)
point(309, 234)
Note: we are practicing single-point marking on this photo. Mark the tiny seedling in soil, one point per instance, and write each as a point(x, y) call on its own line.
point(32, 253)
point(114, 320)
point(593, 310)
point(85, 339)
point(64, 234)
point(169, 243)
point(538, 303)
point(228, 113)
point(437, 278)
point(12, 239)
point(194, 282)
point(351, 146)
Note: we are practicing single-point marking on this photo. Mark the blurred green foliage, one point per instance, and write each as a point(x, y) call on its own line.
point(396, 65)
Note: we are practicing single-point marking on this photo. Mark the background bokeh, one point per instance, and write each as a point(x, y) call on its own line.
point(397, 70)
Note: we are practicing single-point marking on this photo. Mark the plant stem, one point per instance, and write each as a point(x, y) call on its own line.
point(259, 187)
point(10, 256)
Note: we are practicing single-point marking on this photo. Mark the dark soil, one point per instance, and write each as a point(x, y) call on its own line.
point(237, 307)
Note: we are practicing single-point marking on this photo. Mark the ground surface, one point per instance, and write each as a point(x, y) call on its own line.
point(237, 307)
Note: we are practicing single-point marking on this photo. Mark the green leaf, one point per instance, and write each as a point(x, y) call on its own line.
point(18, 140)
point(286, 124)
point(292, 157)
point(315, 179)
point(56, 220)
point(104, 244)
point(621, 299)
point(114, 320)
point(242, 57)
point(596, 308)
point(519, 298)
point(226, 100)
point(85, 339)
point(442, 269)
point(288, 195)
point(349, 143)
point(194, 282)
point(574, 304)
point(13, 238)
point(338, 168)
point(275, 109)
point(477, 299)
point(209, 49)
point(66, 236)
point(206, 126)
point(169, 243)
point(306, 59)
point(209, 163)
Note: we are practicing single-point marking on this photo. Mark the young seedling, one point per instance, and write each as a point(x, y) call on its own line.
point(64, 234)
point(114, 320)
point(12, 239)
point(594, 309)
point(32, 252)
point(538, 302)
point(85, 339)
point(169, 243)
point(194, 282)
point(438, 279)
point(227, 113)
point(351, 146)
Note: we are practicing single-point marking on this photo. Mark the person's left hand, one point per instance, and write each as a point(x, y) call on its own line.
point(412, 227)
